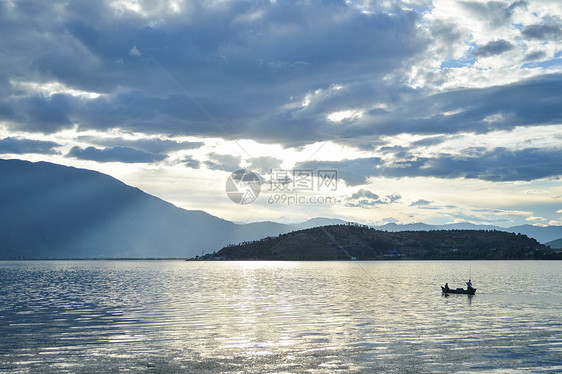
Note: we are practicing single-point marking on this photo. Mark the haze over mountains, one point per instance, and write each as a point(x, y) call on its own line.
point(54, 211)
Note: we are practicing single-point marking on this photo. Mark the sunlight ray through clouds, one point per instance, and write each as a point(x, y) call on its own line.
point(454, 103)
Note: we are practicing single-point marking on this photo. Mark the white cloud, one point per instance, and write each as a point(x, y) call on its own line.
point(459, 29)
point(51, 88)
point(343, 115)
point(134, 51)
point(536, 219)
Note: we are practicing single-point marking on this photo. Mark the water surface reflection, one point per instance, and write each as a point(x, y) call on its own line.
point(166, 316)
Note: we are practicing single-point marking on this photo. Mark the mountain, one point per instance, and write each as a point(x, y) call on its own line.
point(54, 211)
point(541, 234)
point(319, 221)
point(554, 244)
point(258, 230)
point(340, 242)
point(394, 227)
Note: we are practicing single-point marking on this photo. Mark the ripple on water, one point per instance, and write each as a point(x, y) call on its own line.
point(172, 316)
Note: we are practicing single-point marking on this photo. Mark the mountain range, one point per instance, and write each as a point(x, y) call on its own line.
point(54, 211)
point(541, 234)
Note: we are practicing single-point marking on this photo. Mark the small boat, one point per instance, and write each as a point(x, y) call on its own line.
point(469, 291)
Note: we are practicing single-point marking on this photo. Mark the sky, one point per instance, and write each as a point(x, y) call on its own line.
point(371, 111)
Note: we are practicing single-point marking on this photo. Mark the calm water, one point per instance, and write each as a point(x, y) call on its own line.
point(177, 316)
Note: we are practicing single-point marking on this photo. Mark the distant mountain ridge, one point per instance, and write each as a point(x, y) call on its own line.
point(541, 234)
point(555, 244)
point(318, 221)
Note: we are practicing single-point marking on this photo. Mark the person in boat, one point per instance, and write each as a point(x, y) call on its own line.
point(446, 286)
point(468, 285)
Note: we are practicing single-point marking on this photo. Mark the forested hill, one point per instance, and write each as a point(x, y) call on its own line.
point(340, 242)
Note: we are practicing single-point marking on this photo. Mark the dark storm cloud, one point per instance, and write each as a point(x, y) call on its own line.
point(242, 61)
point(269, 71)
point(497, 165)
point(38, 113)
point(477, 110)
point(439, 116)
point(23, 146)
point(115, 154)
point(493, 48)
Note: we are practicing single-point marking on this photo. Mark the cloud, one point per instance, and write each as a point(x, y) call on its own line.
point(223, 162)
point(393, 197)
point(472, 218)
point(364, 198)
point(264, 164)
point(191, 163)
point(38, 113)
point(493, 48)
point(543, 32)
point(420, 202)
point(402, 82)
point(273, 72)
point(115, 154)
point(364, 194)
point(429, 141)
point(536, 219)
point(354, 172)
point(497, 165)
point(494, 12)
point(134, 51)
point(536, 55)
point(151, 145)
point(242, 63)
point(23, 146)
point(390, 220)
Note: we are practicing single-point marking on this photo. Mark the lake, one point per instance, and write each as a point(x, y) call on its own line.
point(283, 317)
